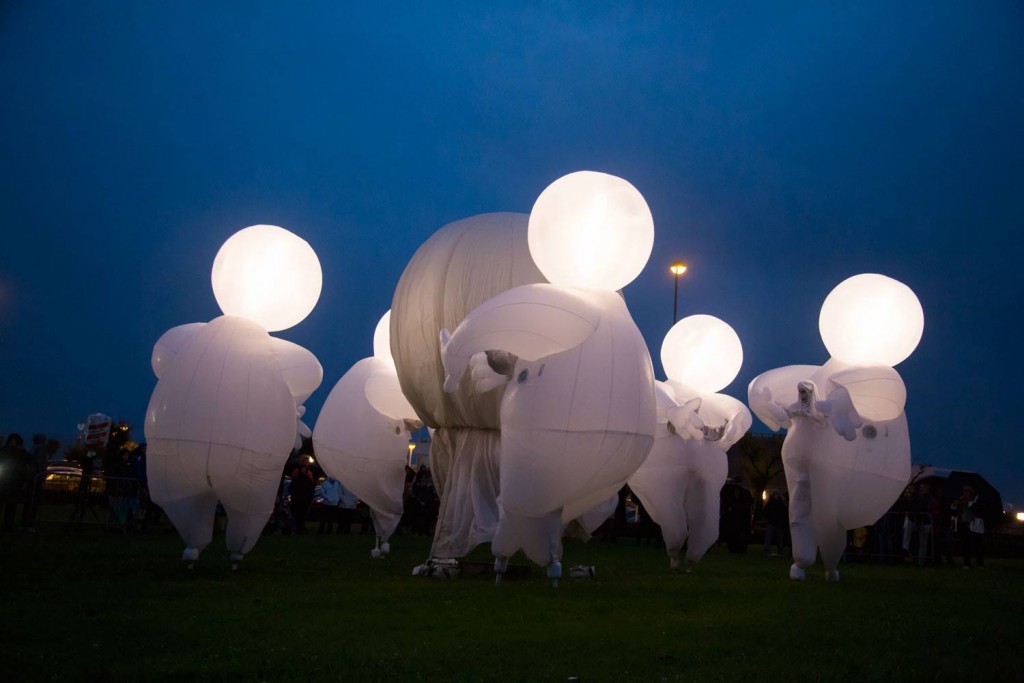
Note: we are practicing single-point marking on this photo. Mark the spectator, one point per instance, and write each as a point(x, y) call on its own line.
point(776, 519)
point(301, 493)
point(927, 511)
point(943, 527)
point(34, 469)
point(424, 502)
point(330, 491)
point(971, 527)
point(907, 505)
point(737, 518)
point(13, 462)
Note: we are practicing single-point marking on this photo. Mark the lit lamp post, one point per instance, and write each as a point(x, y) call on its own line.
point(412, 447)
point(677, 269)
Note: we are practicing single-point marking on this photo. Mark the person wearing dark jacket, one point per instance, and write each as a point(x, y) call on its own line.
point(35, 466)
point(13, 465)
point(776, 519)
point(301, 492)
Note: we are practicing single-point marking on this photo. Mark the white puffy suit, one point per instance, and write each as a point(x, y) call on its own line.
point(680, 482)
point(225, 412)
point(220, 425)
point(847, 449)
point(462, 265)
point(578, 414)
point(361, 439)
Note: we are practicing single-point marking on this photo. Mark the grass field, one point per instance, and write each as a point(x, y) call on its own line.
point(97, 605)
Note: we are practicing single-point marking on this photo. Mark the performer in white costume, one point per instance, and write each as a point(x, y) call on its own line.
point(680, 482)
point(847, 448)
point(362, 434)
point(578, 413)
point(225, 412)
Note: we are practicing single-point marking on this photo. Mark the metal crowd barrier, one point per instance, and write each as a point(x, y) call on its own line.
point(897, 535)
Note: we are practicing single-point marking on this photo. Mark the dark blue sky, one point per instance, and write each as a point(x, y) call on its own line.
point(781, 147)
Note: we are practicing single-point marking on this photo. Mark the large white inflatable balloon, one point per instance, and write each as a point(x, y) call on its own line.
point(578, 413)
point(458, 268)
point(847, 448)
point(362, 434)
point(225, 412)
point(681, 481)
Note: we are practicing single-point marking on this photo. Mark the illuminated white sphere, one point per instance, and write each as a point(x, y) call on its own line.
point(871, 319)
point(268, 275)
point(703, 352)
point(382, 339)
point(591, 230)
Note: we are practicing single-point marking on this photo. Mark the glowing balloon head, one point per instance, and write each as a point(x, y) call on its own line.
point(591, 230)
point(703, 352)
point(871, 319)
point(268, 275)
point(382, 339)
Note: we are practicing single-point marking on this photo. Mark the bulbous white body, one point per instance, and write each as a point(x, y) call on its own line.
point(220, 425)
point(459, 267)
point(835, 483)
point(680, 482)
point(680, 485)
point(575, 424)
point(363, 448)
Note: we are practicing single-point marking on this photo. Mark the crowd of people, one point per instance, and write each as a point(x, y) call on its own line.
point(20, 483)
point(922, 525)
point(308, 495)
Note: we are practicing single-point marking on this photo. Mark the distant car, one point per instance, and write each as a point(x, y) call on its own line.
point(65, 478)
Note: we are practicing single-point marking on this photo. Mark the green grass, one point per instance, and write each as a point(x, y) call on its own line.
point(99, 605)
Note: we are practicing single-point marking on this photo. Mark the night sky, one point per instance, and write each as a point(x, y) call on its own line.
point(781, 147)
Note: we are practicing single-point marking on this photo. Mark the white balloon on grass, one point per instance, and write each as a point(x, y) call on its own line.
point(847, 449)
point(224, 415)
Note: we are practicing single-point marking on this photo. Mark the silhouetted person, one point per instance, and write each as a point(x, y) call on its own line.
point(776, 519)
point(34, 469)
point(301, 493)
point(971, 527)
point(13, 463)
point(737, 519)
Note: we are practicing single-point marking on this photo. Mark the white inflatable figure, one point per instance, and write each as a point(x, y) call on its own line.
point(681, 481)
point(362, 434)
point(225, 412)
point(578, 413)
point(458, 268)
point(847, 448)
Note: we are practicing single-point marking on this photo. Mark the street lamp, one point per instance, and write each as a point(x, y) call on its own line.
point(677, 269)
point(412, 447)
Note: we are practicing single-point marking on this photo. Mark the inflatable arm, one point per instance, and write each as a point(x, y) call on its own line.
point(170, 344)
point(530, 322)
point(685, 421)
point(736, 419)
point(877, 391)
point(772, 392)
point(301, 370)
